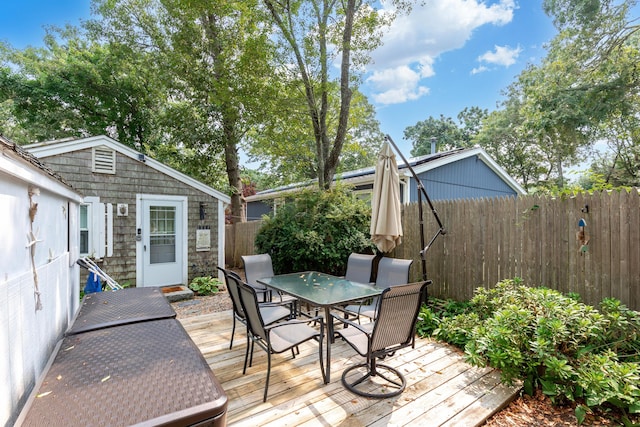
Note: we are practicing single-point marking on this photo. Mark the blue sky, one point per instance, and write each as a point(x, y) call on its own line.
point(445, 56)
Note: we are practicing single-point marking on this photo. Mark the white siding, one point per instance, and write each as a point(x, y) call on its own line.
point(27, 335)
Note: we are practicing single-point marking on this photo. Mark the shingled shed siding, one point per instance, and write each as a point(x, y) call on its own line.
point(134, 177)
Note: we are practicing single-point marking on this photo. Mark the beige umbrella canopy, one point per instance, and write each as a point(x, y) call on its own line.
point(386, 225)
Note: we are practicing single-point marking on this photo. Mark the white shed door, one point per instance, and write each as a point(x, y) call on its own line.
point(163, 242)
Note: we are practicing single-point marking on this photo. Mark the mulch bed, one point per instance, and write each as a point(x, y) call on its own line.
point(534, 411)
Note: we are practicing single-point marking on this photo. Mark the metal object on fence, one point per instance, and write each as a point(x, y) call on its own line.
point(582, 236)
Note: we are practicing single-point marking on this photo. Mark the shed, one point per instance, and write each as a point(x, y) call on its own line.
point(39, 288)
point(148, 224)
point(464, 173)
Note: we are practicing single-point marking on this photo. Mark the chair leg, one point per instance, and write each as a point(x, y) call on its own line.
point(246, 356)
point(324, 373)
point(266, 385)
point(233, 331)
point(251, 355)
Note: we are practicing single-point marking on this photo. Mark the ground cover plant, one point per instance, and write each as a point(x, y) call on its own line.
point(552, 342)
point(205, 285)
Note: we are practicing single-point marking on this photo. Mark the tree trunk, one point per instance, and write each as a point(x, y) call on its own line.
point(233, 173)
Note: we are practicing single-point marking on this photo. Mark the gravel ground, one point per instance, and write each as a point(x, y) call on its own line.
point(202, 305)
point(206, 304)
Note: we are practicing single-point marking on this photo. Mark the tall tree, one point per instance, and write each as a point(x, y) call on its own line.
point(284, 143)
point(308, 30)
point(589, 75)
point(471, 121)
point(217, 54)
point(506, 139)
point(444, 131)
point(75, 86)
point(621, 165)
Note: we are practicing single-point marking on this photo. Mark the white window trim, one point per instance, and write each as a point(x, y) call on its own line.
point(100, 227)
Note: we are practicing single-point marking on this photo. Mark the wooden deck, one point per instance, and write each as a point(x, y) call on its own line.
point(442, 390)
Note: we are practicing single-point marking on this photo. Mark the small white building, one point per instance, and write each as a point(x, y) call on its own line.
point(39, 279)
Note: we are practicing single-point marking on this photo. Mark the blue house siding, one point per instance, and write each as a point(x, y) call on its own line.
point(468, 173)
point(465, 179)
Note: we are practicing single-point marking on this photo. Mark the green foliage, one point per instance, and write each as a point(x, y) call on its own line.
point(316, 231)
point(504, 136)
point(436, 312)
point(205, 285)
point(75, 86)
point(444, 130)
point(285, 146)
point(447, 133)
point(551, 341)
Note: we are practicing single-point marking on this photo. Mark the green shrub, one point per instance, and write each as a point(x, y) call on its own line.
point(437, 312)
point(571, 351)
point(205, 285)
point(316, 231)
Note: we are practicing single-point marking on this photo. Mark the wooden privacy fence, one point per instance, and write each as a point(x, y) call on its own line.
point(240, 240)
point(531, 237)
point(534, 238)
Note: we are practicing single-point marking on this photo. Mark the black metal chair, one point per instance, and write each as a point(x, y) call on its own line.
point(392, 329)
point(278, 337)
point(271, 312)
point(391, 272)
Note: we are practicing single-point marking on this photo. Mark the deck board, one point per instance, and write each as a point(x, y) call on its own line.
point(442, 389)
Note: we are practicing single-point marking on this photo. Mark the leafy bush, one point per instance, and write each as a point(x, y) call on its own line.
point(205, 285)
point(316, 231)
point(439, 311)
point(570, 350)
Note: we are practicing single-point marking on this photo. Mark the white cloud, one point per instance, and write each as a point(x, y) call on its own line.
point(480, 69)
point(502, 55)
point(397, 85)
point(414, 42)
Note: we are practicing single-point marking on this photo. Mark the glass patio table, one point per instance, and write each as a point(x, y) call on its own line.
point(321, 290)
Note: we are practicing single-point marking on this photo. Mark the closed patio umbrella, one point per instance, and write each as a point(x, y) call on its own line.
point(386, 225)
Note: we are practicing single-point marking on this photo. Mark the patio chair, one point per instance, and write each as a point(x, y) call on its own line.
point(359, 268)
point(391, 272)
point(392, 330)
point(271, 312)
point(255, 267)
point(278, 337)
point(258, 266)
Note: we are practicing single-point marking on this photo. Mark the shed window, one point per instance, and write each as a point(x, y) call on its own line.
point(103, 160)
point(85, 216)
point(96, 228)
point(364, 195)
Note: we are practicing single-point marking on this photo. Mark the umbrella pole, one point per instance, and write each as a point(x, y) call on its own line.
point(423, 257)
point(421, 191)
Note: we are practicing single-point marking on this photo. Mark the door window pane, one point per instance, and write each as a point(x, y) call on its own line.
point(162, 244)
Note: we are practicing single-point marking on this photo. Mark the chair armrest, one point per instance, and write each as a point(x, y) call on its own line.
point(350, 323)
point(359, 303)
point(275, 303)
point(296, 321)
